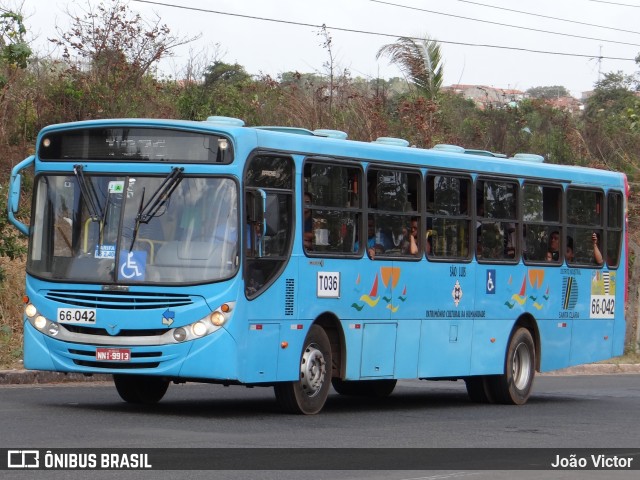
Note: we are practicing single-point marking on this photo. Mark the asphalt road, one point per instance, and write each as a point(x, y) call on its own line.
point(595, 412)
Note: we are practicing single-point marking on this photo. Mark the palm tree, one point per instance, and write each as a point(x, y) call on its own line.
point(420, 61)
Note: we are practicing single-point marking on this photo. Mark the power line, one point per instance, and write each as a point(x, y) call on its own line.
point(364, 32)
point(503, 24)
point(539, 15)
point(615, 3)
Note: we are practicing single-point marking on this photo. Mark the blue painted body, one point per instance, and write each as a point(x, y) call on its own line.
point(397, 319)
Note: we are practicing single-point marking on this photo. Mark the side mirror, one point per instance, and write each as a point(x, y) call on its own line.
point(13, 201)
point(14, 193)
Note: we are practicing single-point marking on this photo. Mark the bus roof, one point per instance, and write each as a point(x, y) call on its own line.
point(306, 142)
point(526, 165)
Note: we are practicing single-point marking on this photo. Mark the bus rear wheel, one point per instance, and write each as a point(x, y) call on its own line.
point(514, 386)
point(364, 388)
point(140, 389)
point(308, 395)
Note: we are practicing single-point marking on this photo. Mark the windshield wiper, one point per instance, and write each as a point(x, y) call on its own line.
point(89, 193)
point(157, 200)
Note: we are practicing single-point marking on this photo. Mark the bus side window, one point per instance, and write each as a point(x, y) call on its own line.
point(331, 208)
point(448, 227)
point(541, 215)
point(615, 222)
point(585, 225)
point(393, 205)
point(498, 218)
point(268, 228)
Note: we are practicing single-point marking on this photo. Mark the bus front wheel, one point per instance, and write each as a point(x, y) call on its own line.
point(140, 389)
point(309, 393)
point(514, 386)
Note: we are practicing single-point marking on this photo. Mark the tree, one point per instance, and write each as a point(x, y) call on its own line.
point(14, 55)
point(420, 61)
point(221, 72)
point(111, 52)
point(609, 128)
point(14, 50)
point(547, 93)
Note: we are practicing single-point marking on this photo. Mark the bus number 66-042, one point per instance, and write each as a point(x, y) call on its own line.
point(602, 306)
point(76, 315)
point(328, 285)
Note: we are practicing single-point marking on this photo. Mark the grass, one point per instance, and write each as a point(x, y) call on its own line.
point(11, 292)
point(629, 357)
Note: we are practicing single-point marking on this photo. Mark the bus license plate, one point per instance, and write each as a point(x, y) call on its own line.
point(76, 315)
point(113, 354)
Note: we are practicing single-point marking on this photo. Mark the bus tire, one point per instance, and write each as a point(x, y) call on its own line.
point(514, 386)
point(364, 388)
point(308, 395)
point(140, 389)
point(479, 389)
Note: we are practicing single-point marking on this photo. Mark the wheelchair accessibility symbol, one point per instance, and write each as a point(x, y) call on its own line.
point(491, 282)
point(133, 265)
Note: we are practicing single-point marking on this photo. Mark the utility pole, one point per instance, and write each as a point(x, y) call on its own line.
point(600, 64)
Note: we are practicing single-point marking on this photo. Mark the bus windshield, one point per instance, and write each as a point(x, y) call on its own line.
point(134, 229)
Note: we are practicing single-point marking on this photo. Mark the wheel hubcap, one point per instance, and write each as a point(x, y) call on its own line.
point(521, 366)
point(312, 370)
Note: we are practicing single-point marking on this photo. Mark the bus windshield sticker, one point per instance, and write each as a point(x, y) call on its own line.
point(132, 265)
point(105, 251)
point(116, 186)
point(328, 285)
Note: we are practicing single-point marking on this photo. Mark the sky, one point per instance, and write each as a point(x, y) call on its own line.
point(578, 49)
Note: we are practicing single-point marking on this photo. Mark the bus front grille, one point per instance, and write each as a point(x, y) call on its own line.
point(149, 332)
point(119, 300)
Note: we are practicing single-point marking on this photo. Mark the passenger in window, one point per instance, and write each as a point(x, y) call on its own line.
point(554, 246)
point(569, 255)
point(429, 244)
point(410, 239)
point(375, 240)
point(597, 254)
point(307, 222)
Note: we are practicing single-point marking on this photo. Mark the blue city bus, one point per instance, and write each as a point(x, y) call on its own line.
point(168, 251)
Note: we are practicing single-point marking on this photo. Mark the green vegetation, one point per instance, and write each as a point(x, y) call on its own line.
point(108, 68)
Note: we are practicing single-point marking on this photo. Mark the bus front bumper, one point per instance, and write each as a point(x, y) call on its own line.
point(213, 357)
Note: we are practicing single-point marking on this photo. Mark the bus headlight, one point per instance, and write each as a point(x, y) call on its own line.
point(40, 322)
point(218, 319)
point(30, 310)
point(54, 329)
point(180, 334)
point(206, 325)
point(199, 329)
